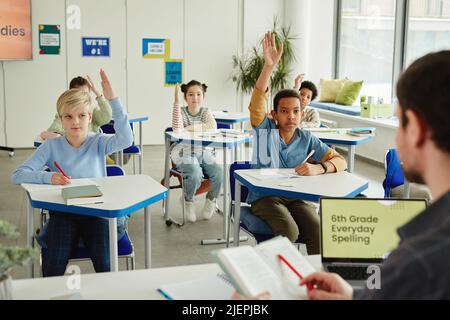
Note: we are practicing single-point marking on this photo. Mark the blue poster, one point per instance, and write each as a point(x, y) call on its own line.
point(174, 72)
point(95, 47)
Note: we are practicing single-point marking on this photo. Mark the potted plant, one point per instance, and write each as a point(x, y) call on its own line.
point(248, 67)
point(11, 256)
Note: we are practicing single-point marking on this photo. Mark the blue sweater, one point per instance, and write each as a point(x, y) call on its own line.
point(87, 161)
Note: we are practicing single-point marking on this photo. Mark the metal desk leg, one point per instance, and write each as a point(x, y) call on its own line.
point(121, 158)
point(237, 211)
point(225, 210)
point(351, 158)
point(113, 250)
point(166, 176)
point(30, 234)
point(225, 193)
point(406, 189)
point(141, 147)
point(147, 231)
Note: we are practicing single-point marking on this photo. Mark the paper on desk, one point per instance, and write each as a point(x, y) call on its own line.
point(34, 187)
point(272, 174)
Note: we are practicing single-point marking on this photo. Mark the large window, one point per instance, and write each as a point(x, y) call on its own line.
point(366, 46)
point(428, 27)
point(370, 48)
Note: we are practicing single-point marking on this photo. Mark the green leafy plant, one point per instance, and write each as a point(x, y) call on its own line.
point(246, 68)
point(11, 256)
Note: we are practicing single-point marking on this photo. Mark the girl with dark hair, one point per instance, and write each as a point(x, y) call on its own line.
point(196, 162)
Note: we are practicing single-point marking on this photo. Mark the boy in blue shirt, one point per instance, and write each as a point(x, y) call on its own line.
point(281, 144)
point(82, 155)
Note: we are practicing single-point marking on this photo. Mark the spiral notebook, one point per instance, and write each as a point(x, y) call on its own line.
point(216, 287)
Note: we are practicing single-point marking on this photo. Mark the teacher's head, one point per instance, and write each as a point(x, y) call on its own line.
point(423, 136)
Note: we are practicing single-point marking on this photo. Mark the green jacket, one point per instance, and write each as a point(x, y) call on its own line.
point(101, 116)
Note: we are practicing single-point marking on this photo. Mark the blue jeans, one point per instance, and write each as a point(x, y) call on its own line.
point(62, 236)
point(193, 167)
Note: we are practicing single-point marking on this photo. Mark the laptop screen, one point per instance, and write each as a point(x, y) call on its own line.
point(356, 229)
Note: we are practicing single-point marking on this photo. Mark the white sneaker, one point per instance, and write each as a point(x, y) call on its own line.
point(209, 209)
point(189, 210)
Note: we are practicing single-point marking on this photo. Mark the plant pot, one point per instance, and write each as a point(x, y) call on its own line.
point(5, 287)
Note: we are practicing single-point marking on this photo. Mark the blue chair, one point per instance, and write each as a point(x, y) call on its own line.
point(173, 172)
point(394, 173)
point(223, 126)
point(125, 245)
point(132, 150)
point(250, 223)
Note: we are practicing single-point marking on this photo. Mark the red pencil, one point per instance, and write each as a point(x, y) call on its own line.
point(59, 168)
point(283, 259)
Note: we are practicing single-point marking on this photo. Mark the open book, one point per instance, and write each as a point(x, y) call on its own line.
point(254, 270)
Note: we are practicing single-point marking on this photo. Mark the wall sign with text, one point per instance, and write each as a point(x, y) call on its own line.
point(95, 47)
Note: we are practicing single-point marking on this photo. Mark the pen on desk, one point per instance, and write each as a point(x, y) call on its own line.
point(61, 170)
point(303, 162)
point(308, 156)
point(283, 259)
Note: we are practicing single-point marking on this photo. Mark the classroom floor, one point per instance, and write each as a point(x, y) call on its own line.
point(171, 246)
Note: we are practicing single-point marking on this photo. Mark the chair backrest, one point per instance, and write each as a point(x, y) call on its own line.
point(114, 170)
point(223, 126)
point(109, 127)
point(394, 173)
point(238, 166)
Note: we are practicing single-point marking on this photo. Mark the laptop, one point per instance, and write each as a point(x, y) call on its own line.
point(356, 233)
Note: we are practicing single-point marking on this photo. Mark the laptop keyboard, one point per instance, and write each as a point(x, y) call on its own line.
point(350, 272)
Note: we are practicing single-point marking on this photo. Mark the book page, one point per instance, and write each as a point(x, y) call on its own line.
point(269, 251)
point(272, 174)
point(33, 187)
point(216, 287)
point(251, 274)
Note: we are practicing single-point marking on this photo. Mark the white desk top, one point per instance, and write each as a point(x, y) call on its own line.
point(209, 139)
point(340, 184)
point(136, 118)
point(138, 284)
point(123, 195)
point(230, 117)
point(338, 136)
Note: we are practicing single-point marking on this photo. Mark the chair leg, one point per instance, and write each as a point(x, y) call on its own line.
point(134, 164)
point(127, 261)
point(133, 265)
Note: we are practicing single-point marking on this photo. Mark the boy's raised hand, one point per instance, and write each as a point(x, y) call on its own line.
point(272, 54)
point(92, 86)
point(298, 81)
point(106, 85)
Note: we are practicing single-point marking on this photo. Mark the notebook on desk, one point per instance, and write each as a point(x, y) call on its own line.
point(215, 287)
point(359, 232)
point(82, 195)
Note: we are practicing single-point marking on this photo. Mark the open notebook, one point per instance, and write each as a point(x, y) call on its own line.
point(216, 287)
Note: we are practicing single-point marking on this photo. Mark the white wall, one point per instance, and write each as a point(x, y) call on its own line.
point(321, 40)
point(2, 109)
point(32, 87)
point(206, 33)
point(100, 18)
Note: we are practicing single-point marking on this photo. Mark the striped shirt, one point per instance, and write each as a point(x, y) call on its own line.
point(420, 267)
point(182, 119)
point(310, 119)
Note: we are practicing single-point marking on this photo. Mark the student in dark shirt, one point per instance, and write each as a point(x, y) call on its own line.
point(420, 267)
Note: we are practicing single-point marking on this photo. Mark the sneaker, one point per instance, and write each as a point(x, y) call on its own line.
point(189, 210)
point(209, 209)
